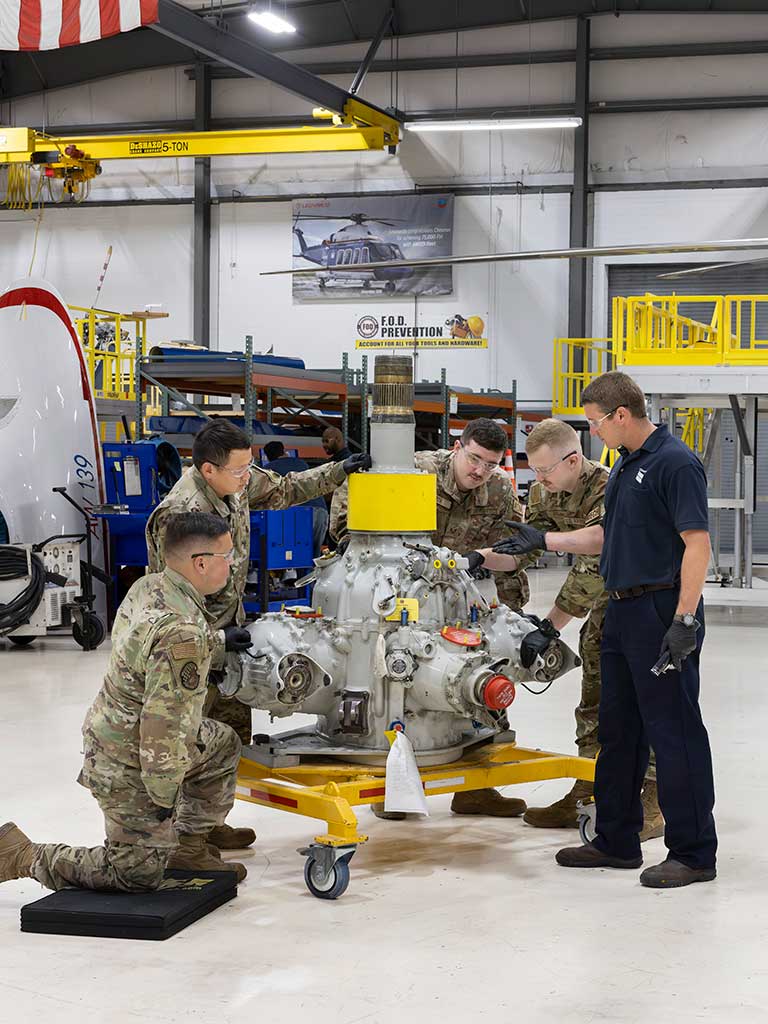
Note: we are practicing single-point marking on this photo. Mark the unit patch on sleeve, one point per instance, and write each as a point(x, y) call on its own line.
point(189, 676)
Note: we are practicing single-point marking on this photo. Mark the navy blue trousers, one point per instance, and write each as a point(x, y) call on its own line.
point(639, 710)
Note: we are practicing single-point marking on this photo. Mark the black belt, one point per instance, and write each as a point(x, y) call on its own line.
point(648, 588)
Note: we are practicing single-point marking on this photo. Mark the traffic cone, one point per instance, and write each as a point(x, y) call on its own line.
point(509, 468)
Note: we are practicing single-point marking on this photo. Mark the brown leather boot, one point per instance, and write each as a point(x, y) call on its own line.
point(487, 802)
point(192, 854)
point(224, 837)
point(653, 820)
point(562, 813)
point(17, 853)
point(378, 810)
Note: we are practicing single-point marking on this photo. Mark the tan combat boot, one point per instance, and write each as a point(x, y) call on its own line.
point(17, 853)
point(224, 837)
point(562, 813)
point(193, 854)
point(653, 820)
point(487, 802)
point(378, 810)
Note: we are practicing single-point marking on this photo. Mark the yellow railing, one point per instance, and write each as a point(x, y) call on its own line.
point(594, 355)
point(110, 342)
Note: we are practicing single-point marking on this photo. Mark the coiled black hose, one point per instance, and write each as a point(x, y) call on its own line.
point(14, 566)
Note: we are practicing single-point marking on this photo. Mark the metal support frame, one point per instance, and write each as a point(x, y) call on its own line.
point(578, 270)
point(137, 378)
point(445, 415)
point(365, 66)
point(364, 405)
point(201, 233)
point(250, 405)
point(204, 36)
point(172, 392)
point(345, 376)
point(750, 483)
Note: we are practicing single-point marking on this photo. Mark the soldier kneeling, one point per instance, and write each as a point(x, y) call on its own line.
point(163, 775)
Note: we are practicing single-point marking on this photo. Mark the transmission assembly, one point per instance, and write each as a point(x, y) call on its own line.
point(399, 634)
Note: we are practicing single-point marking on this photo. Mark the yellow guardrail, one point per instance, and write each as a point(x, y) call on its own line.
point(593, 356)
point(110, 342)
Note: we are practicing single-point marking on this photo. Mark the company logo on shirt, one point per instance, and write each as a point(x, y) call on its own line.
point(640, 475)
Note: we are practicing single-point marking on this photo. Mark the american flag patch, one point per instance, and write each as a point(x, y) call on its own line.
point(184, 651)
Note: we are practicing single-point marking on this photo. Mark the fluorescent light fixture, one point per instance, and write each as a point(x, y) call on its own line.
point(503, 124)
point(270, 21)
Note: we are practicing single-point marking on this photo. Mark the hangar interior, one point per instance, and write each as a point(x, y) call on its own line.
point(629, 123)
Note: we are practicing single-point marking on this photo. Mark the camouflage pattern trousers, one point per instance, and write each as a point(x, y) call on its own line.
point(138, 844)
point(590, 639)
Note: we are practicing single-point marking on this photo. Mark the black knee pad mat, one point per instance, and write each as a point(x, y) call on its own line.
point(183, 898)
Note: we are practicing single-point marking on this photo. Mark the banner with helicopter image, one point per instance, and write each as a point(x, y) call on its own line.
point(350, 233)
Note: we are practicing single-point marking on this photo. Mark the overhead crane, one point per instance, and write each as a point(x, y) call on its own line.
point(342, 122)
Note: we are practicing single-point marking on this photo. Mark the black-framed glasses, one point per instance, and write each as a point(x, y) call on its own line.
point(548, 469)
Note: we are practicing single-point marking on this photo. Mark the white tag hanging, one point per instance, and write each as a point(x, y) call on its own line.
point(404, 791)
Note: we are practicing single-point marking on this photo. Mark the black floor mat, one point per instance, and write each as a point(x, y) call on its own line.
point(185, 897)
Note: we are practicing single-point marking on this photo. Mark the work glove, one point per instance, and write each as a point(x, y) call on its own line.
point(475, 560)
point(357, 462)
point(679, 641)
point(536, 642)
point(525, 538)
point(237, 639)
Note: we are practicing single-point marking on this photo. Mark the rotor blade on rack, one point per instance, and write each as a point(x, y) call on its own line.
point(721, 245)
point(710, 266)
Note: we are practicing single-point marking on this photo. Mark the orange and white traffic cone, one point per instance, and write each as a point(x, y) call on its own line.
point(509, 468)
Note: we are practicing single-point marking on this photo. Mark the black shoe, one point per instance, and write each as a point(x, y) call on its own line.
point(590, 857)
point(672, 874)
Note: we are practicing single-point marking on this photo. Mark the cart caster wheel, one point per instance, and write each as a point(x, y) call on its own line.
point(327, 886)
point(91, 634)
point(587, 823)
point(22, 641)
point(389, 287)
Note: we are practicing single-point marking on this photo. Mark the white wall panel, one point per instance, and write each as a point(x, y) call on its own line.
point(643, 29)
point(151, 258)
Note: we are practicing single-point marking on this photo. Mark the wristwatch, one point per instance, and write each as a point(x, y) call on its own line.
point(687, 619)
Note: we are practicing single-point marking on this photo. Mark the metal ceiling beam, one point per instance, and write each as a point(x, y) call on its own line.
point(373, 49)
point(203, 36)
point(201, 230)
point(578, 270)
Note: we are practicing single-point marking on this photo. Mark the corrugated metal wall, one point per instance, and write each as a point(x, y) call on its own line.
point(752, 280)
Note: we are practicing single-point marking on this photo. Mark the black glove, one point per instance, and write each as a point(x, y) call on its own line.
point(536, 642)
point(237, 639)
point(679, 641)
point(164, 813)
point(357, 462)
point(525, 538)
point(475, 560)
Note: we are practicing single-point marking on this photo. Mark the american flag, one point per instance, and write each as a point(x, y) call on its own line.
point(50, 24)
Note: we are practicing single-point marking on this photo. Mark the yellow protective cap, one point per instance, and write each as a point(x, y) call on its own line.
point(392, 502)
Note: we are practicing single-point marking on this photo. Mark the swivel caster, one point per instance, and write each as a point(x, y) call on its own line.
point(326, 870)
point(587, 820)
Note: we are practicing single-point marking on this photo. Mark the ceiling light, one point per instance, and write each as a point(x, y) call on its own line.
point(270, 21)
point(503, 124)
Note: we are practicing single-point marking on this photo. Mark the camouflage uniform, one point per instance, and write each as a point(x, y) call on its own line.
point(583, 592)
point(147, 746)
point(265, 490)
point(466, 520)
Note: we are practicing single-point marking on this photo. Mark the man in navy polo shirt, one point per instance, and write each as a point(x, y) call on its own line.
point(654, 545)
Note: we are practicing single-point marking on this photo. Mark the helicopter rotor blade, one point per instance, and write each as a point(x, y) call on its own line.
point(674, 275)
point(720, 245)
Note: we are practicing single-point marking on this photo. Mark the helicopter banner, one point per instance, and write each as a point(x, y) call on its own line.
point(392, 330)
point(344, 232)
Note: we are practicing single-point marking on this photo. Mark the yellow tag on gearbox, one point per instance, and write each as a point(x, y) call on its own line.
point(411, 604)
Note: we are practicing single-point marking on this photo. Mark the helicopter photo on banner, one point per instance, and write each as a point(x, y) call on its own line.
point(351, 233)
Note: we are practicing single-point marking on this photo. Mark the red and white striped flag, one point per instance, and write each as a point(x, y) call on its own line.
point(50, 24)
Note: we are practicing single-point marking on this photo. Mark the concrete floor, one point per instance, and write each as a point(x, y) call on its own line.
point(445, 919)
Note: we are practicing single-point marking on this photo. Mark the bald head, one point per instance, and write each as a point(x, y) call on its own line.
point(332, 440)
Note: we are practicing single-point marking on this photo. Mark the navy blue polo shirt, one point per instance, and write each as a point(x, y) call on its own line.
point(652, 496)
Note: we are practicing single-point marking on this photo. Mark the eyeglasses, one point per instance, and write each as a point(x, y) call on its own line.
point(238, 474)
point(594, 424)
point(228, 555)
point(478, 463)
point(548, 469)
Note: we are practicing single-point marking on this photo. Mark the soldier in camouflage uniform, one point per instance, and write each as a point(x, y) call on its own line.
point(162, 774)
point(568, 495)
point(474, 498)
point(224, 481)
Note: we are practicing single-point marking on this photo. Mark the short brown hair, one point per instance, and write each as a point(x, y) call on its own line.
point(487, 433)
point(555, 433)
point(614, 389)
